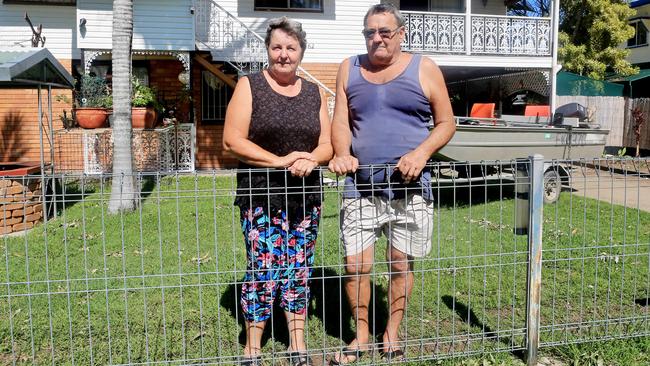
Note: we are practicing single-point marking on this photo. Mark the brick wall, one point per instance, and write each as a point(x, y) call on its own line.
point(325, 72)
point(19, 131)
point(20, 204)
point(163, 75)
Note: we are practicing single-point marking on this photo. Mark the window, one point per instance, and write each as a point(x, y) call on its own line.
point(215, 96)
point(454, 6)
point(640, 37)
point(296, 5)
point(41, 2)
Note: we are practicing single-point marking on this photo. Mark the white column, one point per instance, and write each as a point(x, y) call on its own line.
point(468, 27)
point(555, 20)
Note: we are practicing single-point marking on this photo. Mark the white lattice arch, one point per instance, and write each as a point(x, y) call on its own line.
point(182, 56)
point(537, 81)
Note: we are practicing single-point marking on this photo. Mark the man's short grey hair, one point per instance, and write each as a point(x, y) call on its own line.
point(384, 8)
point(289, 26)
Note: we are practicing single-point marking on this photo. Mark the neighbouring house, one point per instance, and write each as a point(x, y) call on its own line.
point(638, 86)
point(192, 52)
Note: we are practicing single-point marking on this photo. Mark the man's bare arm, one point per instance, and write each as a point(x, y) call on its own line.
point(343, 161)
point(433, 85)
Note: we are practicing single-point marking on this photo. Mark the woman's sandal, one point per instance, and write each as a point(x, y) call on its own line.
point(250, 361)
point(392, 356)
point(299, 358)
point(345, 352)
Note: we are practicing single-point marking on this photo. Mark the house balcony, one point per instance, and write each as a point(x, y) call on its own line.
point(448, 33)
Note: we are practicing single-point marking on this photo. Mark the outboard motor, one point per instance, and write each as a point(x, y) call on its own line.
point(570, 110)
point(573, 110)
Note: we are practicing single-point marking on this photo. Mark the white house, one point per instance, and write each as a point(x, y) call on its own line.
point(205, 44)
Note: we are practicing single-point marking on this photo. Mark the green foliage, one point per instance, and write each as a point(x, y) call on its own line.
point(67, 121)
point(93, 92)
point(590, 33)
point(143, 95)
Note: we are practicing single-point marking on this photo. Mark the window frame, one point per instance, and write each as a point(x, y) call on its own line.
point(41, 2)
point(205, 120)
point(637, 24)
point(288, 8)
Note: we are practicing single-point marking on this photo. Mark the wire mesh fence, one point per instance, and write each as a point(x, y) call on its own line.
point(162, 284)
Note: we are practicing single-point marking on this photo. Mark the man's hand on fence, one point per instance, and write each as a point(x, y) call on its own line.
point(343, 164)
point(411, 165)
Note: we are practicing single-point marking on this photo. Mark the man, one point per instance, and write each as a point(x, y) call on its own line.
point(384, 102)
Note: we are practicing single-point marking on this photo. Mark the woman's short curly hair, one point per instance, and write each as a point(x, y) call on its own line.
point(289, 26)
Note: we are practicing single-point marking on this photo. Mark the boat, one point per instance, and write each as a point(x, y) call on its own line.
point(490, 145)
point(509, 138)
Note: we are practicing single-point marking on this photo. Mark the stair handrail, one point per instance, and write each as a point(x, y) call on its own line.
point(304, 72)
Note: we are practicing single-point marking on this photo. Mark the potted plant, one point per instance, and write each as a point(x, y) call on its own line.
point(92, 102)
point(144, 106)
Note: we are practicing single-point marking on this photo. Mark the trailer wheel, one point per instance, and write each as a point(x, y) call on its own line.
point(552, 186)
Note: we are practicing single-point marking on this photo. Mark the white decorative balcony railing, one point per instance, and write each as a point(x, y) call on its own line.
point(434, 32)
point(489, 34)
point(511, 35)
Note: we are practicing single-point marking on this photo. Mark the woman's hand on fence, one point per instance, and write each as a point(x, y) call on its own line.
point(289, 159)
point(302, 167)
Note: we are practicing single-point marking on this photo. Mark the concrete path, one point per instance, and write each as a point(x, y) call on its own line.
point(629, 190)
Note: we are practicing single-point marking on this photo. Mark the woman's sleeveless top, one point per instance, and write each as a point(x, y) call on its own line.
point(281, 125)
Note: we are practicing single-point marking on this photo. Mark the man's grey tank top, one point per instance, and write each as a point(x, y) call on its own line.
point(387, 121)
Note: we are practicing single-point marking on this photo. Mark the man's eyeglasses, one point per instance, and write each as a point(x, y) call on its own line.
point(383, 33)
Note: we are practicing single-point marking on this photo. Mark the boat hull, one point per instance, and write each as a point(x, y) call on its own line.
point(480, 142)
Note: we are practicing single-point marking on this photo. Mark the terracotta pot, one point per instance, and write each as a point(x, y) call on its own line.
point(88, 117)
point(142, 117)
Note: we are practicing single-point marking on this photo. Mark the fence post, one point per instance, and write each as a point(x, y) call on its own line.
point(534, 278)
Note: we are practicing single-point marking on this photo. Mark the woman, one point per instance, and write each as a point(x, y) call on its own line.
point(276, 119)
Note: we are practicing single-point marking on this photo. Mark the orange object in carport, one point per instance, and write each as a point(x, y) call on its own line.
point(482, 110)
point(537, 110)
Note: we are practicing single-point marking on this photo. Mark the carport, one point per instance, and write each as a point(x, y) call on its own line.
point(35, 68)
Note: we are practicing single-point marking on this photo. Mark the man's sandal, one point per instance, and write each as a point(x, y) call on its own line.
point(250, 361)
point(299, 358)
point(347, 352)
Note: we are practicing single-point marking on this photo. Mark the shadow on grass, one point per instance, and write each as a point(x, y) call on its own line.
point(147, 186)
point(328, 303)
point(474, 193)
point(642, 302)
point(63, 195)
point(469, 317)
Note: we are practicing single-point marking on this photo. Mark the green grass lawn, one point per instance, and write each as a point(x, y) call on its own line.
point(160, 284)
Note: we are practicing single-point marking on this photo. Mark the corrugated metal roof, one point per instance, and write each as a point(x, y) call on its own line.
point(31, 67)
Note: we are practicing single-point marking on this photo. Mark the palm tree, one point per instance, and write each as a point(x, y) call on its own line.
point(124, 191)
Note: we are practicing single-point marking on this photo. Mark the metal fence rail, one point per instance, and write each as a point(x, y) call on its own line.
point(160, 285)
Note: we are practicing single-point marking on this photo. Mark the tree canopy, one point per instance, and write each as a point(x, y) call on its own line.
point(591, 32)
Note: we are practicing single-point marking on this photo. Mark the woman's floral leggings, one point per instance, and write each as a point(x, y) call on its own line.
point(280, 253)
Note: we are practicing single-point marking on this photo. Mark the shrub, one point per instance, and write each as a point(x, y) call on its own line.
point(94, 92)
point(143, 96)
